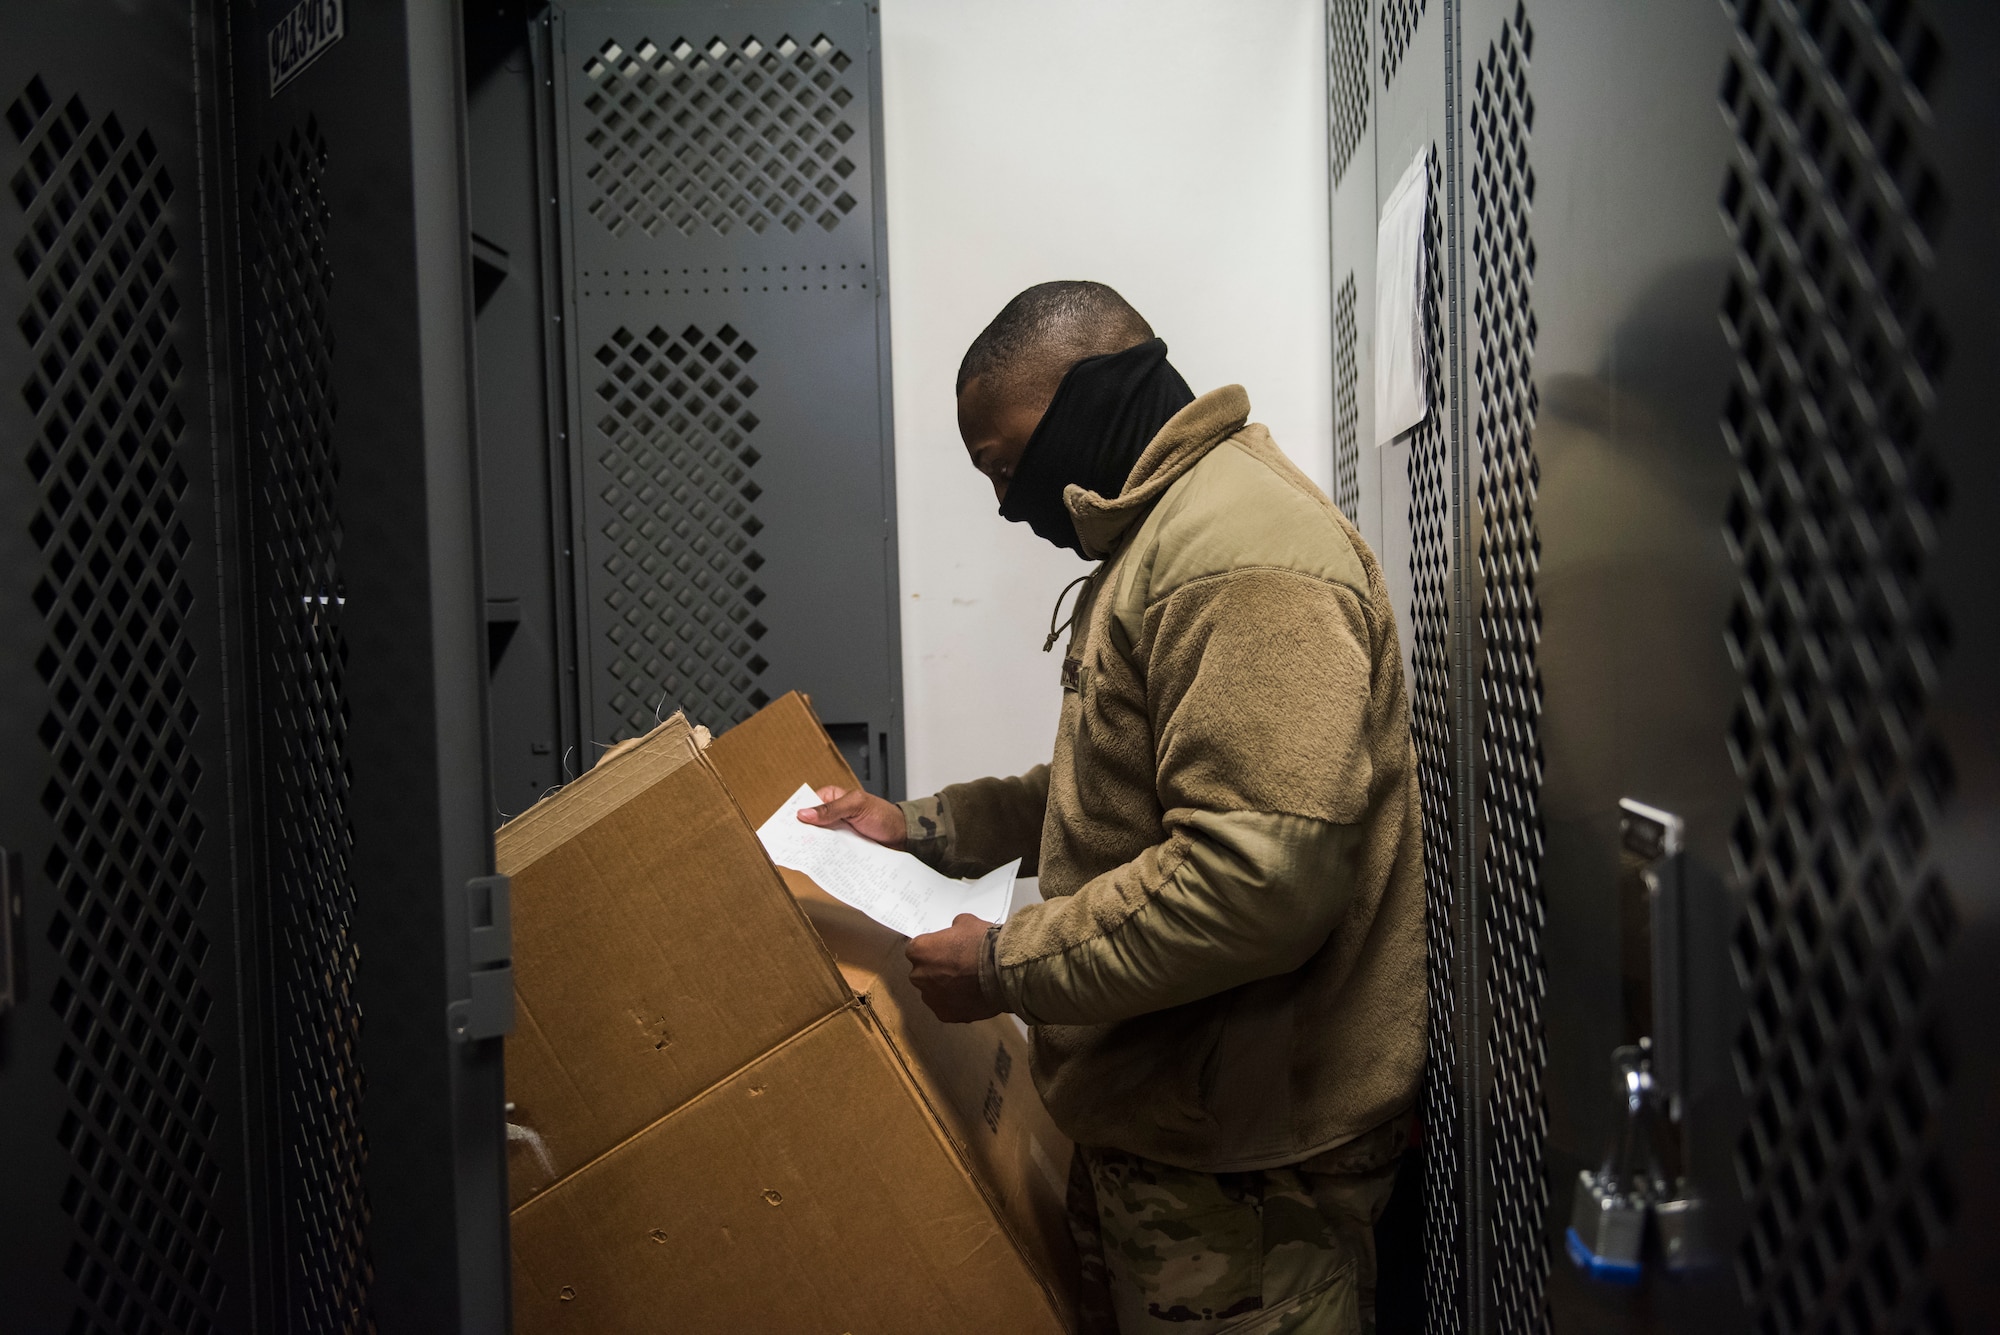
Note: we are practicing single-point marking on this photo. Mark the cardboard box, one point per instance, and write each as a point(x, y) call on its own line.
point(732, 1112)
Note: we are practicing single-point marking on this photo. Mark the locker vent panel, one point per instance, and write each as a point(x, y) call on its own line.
point(1349, 82)
point(136, 1055)
point(673, 434)
point(1836, 637)
point(1399, 24)
point(324, 1208)
point(1346, 405)
point(720, 136)
point(1430, 719)
point(1510, 687)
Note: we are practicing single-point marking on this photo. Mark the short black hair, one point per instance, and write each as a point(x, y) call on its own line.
point(1049, 328)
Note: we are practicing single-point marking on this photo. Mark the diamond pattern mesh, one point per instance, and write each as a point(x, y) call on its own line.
point(1348, 81)
point(719, 136)
point(1837, 639)
point(1510, 687)
point(1399, 20)
point(1346, 404)
point(677, 458)
point(1430, 721)
point(316, 956)
point(98, 253)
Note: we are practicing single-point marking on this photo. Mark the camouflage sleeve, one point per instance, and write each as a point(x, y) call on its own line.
point(926, 828)
point(968, 829)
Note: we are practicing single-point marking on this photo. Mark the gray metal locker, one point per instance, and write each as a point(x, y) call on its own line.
point(248, 1068)
point(359, 543)
point(1388, 104)
point(733, 497)
point(1711, 523)
point(122, 1075)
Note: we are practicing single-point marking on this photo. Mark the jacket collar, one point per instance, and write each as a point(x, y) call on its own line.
point(1182, 443)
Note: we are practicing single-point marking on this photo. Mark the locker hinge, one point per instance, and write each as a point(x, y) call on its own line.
point(487, 1011)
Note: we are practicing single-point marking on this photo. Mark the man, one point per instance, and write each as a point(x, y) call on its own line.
point(1225, 977)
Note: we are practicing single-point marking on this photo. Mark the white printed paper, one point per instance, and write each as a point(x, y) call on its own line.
point(1402, 352)
point(889, 886)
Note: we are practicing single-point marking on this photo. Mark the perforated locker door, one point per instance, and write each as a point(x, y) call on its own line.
point(1365, 45)
point(126, 1202)
point(1851, 519)
point(728, 367)
point(1351, 80)
point(241, 704)
point(1714, 513)
point(1504, 476)
point(384, 1157)
point(1388, 93)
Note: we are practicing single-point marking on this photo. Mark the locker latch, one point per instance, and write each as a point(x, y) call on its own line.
point(1643, 1179)
point(487, 1011)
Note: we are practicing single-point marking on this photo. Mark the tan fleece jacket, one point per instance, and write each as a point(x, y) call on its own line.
point(1227, 968)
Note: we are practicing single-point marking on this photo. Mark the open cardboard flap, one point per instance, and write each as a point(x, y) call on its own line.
point(729, 1108)
point(646, 964)
point(762, 761)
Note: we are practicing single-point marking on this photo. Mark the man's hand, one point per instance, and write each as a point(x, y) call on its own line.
point(869, 816)
point(863, 812)
point(945, 967)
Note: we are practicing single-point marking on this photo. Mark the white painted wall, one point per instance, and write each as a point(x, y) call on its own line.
point(1175, 149)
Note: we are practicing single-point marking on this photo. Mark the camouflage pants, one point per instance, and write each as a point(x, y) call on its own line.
point(1282, 1251)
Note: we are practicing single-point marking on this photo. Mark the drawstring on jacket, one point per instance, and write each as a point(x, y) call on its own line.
point(1054, 629)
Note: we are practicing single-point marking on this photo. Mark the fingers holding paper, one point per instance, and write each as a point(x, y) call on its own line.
point(854, 867)
point(873, 818)
point(944, 966)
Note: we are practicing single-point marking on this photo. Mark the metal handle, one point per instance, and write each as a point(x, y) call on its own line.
point(1650, 890)
point(488, 1010)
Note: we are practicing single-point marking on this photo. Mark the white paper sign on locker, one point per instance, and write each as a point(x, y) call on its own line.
point(1402, 350)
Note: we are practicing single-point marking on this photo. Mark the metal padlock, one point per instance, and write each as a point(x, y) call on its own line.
point(1607, 1228)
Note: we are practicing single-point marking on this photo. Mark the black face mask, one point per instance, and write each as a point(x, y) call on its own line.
point(1103, 415)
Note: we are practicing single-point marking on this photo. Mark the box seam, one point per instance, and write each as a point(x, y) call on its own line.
point(962, 1155)
point(852, 1004)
